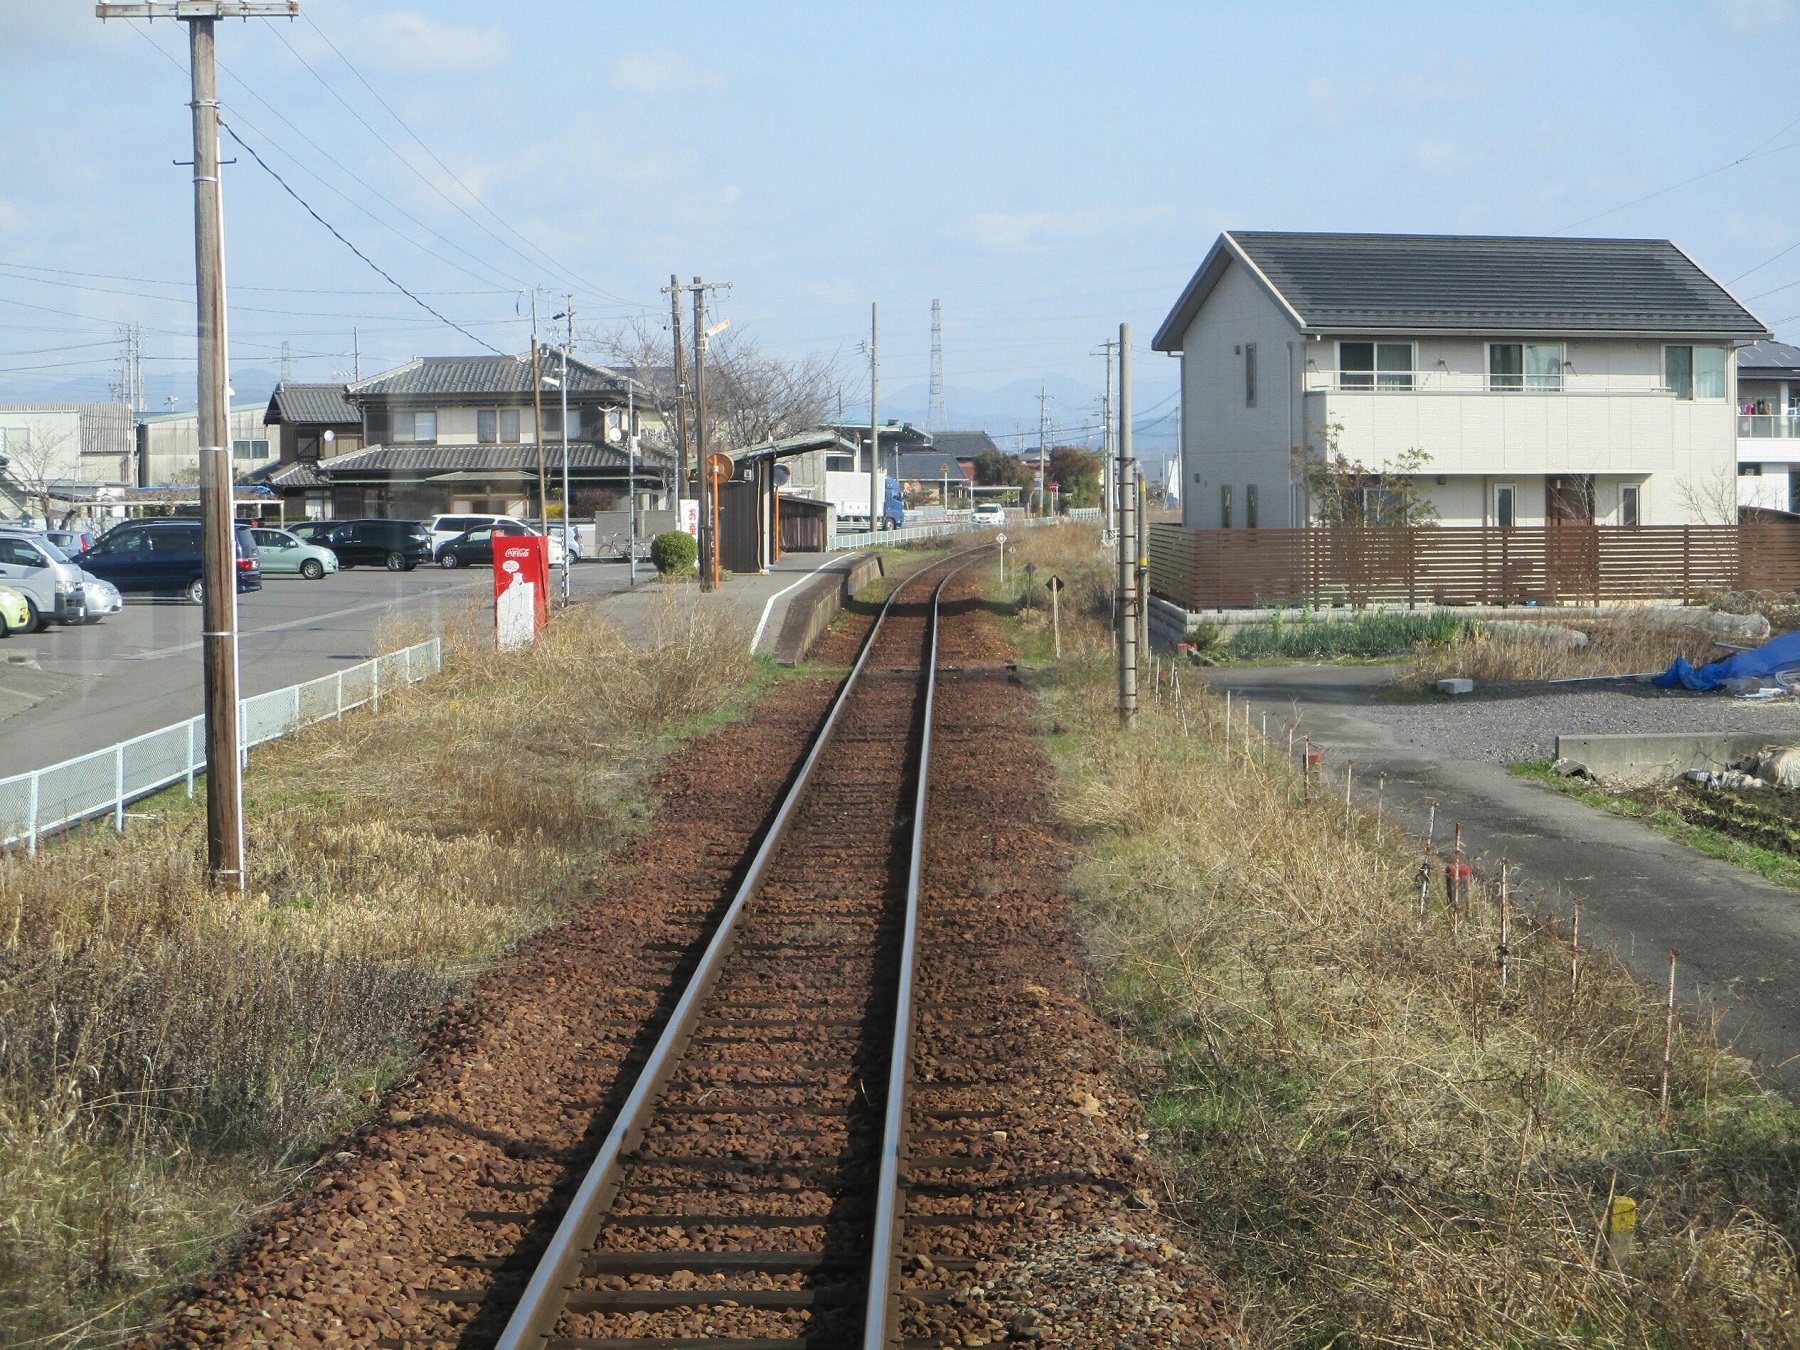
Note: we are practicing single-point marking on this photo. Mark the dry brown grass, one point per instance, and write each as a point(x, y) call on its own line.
point(1376, 1143)
point(1620, 642)
point(168, 1055)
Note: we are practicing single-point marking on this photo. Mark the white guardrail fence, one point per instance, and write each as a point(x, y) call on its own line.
point(106, 781)
point(846, 540)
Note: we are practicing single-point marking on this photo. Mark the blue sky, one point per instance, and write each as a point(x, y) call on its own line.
point(1046, 169)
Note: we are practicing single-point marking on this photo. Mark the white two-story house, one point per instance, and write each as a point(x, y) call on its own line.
point(1768, 427)
point(1542, 380)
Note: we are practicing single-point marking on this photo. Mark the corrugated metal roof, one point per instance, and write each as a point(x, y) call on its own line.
point(1768, 361)
point(485, 376)
point(311, 405)
point(1477, 284)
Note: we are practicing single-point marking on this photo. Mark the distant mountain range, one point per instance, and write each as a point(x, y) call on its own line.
point(249, 383)
point(1010, 413)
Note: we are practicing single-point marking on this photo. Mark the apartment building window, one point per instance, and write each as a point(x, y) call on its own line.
point(509, 426)
point(1525, 365)
point(487, 425)
point(1694, 372)
point(1250, 506)
point(1630, 513)
point(1506, 513)
point(1225, 507)
point(1249, 374)
point(415, 428)
point(1375, 365)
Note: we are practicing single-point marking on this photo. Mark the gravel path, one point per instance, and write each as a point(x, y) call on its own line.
point(1506, 730)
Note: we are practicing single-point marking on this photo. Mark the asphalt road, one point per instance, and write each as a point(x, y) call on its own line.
point(1641, 894)
point(67, 691)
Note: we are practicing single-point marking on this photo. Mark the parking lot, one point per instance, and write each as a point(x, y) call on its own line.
point(67, 691)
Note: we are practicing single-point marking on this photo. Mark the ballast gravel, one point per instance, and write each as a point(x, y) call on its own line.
point(1510, 727)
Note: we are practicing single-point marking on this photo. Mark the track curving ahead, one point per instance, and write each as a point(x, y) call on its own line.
point(748, 1193)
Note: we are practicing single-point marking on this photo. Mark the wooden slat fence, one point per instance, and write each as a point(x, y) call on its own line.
point(1436, 565)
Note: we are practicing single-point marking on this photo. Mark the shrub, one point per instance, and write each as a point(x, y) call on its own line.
point(674, 553)
point(1378, 634)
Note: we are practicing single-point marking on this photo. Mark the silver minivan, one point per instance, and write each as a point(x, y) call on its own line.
point(50, 583)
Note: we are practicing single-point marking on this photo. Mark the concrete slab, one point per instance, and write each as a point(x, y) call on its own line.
point(1641, 893)
point(1641, 761)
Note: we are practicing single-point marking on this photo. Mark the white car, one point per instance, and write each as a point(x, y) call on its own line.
point(990, 514)
point(103, 598)
point(447, 527)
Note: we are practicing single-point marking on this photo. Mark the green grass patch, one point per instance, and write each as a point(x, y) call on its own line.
point(1366, 635)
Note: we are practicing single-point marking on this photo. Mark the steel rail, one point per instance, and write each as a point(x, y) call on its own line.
point(534, 1318)
point(881, 1318)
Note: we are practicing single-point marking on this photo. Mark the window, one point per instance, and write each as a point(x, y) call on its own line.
point(840, 464)
point(1250, 507)
point(1249, 374)
point(1694, 372)
point(1629, 505)
point(552, 421)
point(1375, 365)
point(1525, 365)
point(251, 450)
point(509, 426)
point(415, 428)
point(1505, 511)
point(1749, 471)
point(18, 553)
point(487, 426)
point(1225, 507)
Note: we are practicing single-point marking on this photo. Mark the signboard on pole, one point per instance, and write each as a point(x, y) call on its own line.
point(690, 516)
point(521, 589)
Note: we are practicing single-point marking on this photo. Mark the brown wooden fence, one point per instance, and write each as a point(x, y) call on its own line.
point(1564, 564)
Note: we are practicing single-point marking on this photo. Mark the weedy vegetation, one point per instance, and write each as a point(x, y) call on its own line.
point(1389, 1120)
point(171, 1056)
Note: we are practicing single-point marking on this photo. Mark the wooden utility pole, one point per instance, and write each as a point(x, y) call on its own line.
point(673, 291)
point(1043, 447)
point(1128, 550)
point(218, 527)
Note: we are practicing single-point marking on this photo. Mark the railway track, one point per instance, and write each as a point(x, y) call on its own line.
point(749, 1193)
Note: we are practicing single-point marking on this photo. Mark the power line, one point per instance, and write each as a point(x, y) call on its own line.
point(375, 266)
point(1755, 152)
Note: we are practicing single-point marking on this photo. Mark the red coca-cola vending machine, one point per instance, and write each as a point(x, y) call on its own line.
point(521, 589)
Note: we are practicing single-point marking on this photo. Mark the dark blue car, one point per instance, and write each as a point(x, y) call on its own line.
point(162, 557)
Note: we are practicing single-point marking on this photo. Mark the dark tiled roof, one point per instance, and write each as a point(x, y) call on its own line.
point(427, 459)
point(963, 444)
point(297, 475)
point(921, 465)
point(1768, 361)
point(1415, 283)
point(485, 376)
point(311, 405)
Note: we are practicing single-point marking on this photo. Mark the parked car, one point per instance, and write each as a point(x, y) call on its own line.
point(162, 557)
point(475, 548)
point(71, 542)
point(15, 612)
point(445, 528)
point(283, 554)
point(50, 583)
point(102, 597)
point(398, 545)
point(990, 513)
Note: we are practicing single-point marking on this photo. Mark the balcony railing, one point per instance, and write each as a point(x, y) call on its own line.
point(1769, 426)
point(1480, 382)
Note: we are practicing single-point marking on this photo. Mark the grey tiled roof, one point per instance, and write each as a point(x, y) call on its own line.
point(485, 376)
point(296, 475)
point(921, 465)
point(963, 444)
point(311, 405)
point(427, 459)
point(1478, 284)
point(1768, 360)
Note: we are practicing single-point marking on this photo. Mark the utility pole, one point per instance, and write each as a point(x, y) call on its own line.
point(1043, 446)
point(356, 353)
point(1108, 494)
point(875, 483)
point(218, 535)
point(631, 452)
point(673, 290)
point(537, 425)
point(1128, 596)
point(935, 419)
point(568, 346)
point(709, 543)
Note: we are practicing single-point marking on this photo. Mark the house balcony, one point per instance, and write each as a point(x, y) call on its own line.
point(1768, 426)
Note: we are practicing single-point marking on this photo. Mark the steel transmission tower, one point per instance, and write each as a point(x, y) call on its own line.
point(934, 415)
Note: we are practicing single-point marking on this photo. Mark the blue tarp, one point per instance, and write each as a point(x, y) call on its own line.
point(1777, 654)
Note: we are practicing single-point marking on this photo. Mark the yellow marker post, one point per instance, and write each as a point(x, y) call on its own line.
point(1621, 1231)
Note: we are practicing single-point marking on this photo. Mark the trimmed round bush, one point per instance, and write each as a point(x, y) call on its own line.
point(674, 553)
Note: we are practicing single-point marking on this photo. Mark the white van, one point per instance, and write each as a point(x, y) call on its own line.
point(50, 583)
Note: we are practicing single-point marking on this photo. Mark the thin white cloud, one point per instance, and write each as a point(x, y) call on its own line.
point(12, 220)
point(662, 72)
point(1754, 16)
point(1444, 156)
point(410, 41)
point(1041, 231)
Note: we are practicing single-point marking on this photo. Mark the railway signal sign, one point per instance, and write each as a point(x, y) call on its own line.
point(1054, 585)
